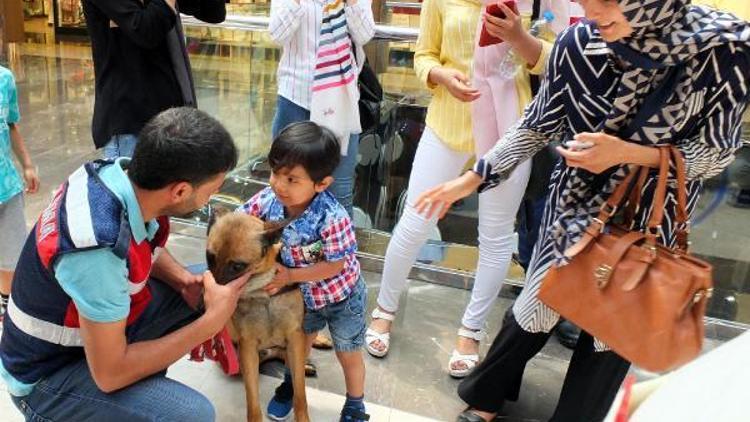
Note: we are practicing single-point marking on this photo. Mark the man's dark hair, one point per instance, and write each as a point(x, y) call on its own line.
point(181, 145)
point(309, 145)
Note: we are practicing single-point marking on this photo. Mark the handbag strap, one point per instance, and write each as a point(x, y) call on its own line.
point(607, 210)
point(636, 193)
point(610, 207)
point(660, 195)
point(683, 224)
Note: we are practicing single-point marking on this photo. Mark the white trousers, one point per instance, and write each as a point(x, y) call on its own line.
point(434, 164)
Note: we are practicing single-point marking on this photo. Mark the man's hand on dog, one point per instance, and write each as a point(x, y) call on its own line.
point(220, 301)
point(281, 279)
point(192, 289)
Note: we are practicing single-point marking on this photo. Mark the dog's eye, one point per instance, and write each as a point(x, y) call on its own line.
point(238, 267)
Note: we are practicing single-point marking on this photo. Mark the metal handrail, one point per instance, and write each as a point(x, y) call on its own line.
point(260, 23)
point(403, 5)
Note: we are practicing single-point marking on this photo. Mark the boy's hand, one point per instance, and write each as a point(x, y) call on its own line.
point(31, 179)
point(282, 279)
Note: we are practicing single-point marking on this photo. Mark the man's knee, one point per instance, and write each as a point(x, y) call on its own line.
point(200, 410)
point(192, 406)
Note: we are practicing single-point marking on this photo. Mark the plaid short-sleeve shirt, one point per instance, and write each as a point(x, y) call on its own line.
point(323, 232)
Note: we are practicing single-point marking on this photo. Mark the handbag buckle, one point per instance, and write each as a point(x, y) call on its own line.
point(600, 223)
point(610, 210)
point(703, 293)
point(602, 275)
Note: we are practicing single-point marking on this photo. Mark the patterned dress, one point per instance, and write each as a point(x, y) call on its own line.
point(593, 86)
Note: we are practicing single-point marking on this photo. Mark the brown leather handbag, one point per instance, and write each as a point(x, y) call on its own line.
point(644, 300)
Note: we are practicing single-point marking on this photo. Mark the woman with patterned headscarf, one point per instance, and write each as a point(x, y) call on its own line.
point(634, 75)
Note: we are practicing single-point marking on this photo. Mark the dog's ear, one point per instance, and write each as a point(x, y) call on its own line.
point(214, 214)
point(272, 231)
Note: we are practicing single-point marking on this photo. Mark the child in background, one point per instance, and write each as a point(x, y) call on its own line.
point(12, 220)
point(318, 253)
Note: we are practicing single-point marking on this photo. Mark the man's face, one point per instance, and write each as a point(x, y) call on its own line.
point(196, 197)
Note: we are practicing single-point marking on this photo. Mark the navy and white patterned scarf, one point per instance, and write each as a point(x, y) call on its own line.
point(667, 33)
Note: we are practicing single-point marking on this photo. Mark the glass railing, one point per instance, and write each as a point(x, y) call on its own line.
point(235, 67)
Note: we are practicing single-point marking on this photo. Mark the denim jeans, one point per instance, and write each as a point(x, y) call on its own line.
point(70, 394)
point(530, 215)
point(741, 168)
point(345, 320)
point(120, 146)
point(342, 188)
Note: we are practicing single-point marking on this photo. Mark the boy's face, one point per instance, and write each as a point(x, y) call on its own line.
point(294, 187)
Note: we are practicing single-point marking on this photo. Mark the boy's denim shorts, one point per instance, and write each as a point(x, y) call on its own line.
point(345, 320)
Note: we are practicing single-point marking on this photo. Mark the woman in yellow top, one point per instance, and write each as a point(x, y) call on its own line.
point(443, 61)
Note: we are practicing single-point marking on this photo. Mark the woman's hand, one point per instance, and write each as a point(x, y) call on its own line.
point(607, 151)
point(440, 198)
point(458, 84)
point(509, 29)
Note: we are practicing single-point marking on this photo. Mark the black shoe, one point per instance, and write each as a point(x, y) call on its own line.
point(567, 334)
point(739, 198)
point(469, 416)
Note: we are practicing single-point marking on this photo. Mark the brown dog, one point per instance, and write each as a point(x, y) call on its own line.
point(237, 244)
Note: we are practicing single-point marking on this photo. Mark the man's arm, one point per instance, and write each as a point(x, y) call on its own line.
point(96, 280)
point(211, 11)
point(115, 364)
point(147, 25)
point(167, 269)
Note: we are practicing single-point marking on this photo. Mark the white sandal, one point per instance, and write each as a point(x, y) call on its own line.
point(372, 336)
point(470, 361)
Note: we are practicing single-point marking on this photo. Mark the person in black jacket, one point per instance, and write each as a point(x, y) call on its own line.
point(141, 64)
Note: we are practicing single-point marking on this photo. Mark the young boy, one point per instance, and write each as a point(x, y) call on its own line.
point(318, 253)
point(12, 221)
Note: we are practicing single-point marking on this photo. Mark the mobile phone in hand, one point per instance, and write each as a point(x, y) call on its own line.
point(494, 9)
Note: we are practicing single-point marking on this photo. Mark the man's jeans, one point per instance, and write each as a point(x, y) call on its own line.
point(120, 146)
point(530, 215)
point(70, 394)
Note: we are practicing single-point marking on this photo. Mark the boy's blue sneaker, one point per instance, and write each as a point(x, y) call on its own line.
point(279, 410)
point(354, 410)
point(280, 406)
point(352, 415)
